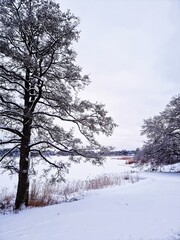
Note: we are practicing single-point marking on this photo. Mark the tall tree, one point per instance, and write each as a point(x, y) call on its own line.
point(163, 136)
point(39, 86)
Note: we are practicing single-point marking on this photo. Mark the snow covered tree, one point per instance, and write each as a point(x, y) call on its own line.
point(39, 86)
point(163, 136)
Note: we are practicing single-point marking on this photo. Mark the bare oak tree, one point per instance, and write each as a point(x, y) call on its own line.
point(39, 86)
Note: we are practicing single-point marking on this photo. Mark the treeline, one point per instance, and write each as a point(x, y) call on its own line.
point(15, 153)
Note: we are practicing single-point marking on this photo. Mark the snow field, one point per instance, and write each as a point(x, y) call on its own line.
point(146, 210)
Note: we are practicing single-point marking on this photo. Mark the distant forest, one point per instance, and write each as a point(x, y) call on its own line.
point(15, 153)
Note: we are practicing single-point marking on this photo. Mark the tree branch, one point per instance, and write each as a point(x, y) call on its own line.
point(51, 163)
point(11, 103)
point(12, 131)
point(10, 141)
point(6, 154)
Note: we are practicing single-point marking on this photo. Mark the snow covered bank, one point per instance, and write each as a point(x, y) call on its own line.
point(171, 168)
point(147, 210)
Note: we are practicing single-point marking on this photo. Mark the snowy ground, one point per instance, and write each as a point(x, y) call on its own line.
point(147, 210)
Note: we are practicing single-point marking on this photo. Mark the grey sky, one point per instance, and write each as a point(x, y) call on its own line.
point(131, 50)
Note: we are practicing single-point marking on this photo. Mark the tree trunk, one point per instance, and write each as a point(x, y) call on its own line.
point(22, 195)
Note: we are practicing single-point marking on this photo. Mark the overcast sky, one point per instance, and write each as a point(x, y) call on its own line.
point(131, 50)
